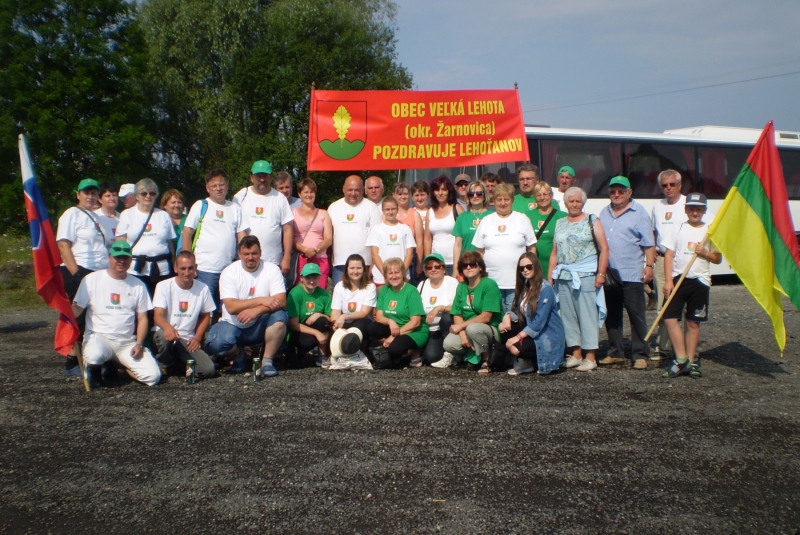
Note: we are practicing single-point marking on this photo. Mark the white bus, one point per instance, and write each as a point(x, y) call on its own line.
point(709, 159)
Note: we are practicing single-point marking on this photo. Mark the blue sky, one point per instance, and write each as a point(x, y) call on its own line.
point(564, 52)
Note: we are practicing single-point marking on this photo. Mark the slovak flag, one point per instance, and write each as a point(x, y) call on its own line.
point(46, 258)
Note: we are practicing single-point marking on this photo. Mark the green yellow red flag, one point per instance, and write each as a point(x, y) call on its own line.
point(754, 232)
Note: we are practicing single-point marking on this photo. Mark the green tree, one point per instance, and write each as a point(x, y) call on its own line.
point(234, 78)
point(70, 74)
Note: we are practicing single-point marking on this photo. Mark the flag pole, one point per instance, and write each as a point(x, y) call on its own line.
point(674, 290)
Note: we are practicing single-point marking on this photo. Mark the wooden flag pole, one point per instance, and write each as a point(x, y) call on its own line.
point(675, 289)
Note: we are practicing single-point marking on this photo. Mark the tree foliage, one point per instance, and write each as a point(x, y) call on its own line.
point(117, 90)
point(71, 75)
point(235, 78)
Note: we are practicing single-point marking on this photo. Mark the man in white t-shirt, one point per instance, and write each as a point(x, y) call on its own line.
point(267, 213)
point(219, 226)
point(352, 218)
point(667, 215)
point(254, 302)
point(182, 313)
point(283, 183)
point(375, 190)
point(116, 319)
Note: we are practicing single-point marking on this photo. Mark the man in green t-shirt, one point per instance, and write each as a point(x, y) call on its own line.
point(524, 201)
point(309, 309)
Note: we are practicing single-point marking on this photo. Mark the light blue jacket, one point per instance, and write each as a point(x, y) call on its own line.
point(546, 329)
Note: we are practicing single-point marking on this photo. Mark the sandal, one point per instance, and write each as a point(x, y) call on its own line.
point(415, 362)
point(484, 369)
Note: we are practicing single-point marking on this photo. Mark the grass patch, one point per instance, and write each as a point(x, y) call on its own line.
point(17, 282)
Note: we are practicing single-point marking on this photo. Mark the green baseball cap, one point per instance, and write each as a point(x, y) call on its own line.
point(261, 166)
point(619, 181)
point(120, 248)
point(87, 183)
point(310, 269)
point(567, 169)
point(433, 256)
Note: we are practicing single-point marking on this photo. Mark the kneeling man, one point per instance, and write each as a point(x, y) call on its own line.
point(182, 313)
point(253, 309)
point(114, 303)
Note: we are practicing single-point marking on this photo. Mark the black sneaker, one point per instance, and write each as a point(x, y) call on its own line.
point(694, 371)
point(678, 368)
point(90, 377)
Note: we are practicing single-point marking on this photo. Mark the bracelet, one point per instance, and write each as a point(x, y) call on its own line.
point(651, 266)
point(601, 275)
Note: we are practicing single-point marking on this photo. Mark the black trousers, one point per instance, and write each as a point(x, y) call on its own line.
point(302, 342)
point(399, 346)
point(527, 347)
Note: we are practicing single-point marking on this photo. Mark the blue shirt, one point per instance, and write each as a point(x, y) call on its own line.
point(628, 235)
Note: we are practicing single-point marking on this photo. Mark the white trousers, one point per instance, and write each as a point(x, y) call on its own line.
point(98, 349)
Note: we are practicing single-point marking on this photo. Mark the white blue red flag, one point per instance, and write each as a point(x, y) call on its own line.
point(46, 258)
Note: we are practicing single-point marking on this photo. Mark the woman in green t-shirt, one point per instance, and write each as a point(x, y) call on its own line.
point(467, 223)
point(399, 325)
point(309, 310)
point(544, 220)
point(477, 311)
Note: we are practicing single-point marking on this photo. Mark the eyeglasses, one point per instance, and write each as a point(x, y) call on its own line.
point(669, 185)
point(475, 194)
point(467, 265)
point(433, 267)
point(147, 193)
point(524, 267)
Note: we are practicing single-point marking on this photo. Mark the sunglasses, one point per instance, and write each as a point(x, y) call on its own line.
point(147, 193)
point(468, 265)
point(524, 267)
point(475, 194)
point(669, 185)
point(433, 267)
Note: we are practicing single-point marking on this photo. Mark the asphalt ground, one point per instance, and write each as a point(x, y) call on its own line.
point(410, 451)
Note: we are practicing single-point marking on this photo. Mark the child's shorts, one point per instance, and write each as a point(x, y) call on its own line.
point(692, 296)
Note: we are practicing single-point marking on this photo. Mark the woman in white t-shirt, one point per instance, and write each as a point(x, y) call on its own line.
point(107, 214)
point(390, 239)
point(437, 292)
point(441, 219)
point(150, 232)
point(501, 238)
point(82, 245)
point(354, 298)
point(420, 194)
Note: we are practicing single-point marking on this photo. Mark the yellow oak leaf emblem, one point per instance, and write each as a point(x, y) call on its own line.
point(341, 122)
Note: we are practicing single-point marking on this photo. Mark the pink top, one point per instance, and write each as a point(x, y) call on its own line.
point(315, 235)
point(410, 219)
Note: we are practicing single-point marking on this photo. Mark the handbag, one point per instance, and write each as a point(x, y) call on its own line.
point(613, 281)
point(296, 257)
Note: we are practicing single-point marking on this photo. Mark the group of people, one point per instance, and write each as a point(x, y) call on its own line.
point(468, 274)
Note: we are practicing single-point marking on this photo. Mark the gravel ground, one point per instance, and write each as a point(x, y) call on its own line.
point(409, 451)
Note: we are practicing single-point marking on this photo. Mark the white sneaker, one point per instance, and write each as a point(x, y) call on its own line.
point(572, 362)
point(444, 362)
point(587, 366)
point(521, 366)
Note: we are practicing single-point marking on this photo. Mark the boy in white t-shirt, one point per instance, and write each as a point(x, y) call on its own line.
point(219, 231)
point(693, 294)
point(116, 319)
point(182, 312)
point(390, 239)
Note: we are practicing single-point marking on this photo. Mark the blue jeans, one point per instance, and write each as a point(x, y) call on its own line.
point(508, 302)
point(212, 281)
point(223, 335)
point(336, 274)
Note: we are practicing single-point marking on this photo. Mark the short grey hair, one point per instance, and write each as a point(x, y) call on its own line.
point(668, 173)
point(575, 190)
point(146, 184)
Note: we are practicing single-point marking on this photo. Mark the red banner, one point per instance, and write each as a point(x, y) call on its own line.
point(384, 130)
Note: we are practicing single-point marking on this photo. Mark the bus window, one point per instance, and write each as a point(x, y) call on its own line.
point(718, 168)
point(790, 160)
point(595, 163)
point(644, 161)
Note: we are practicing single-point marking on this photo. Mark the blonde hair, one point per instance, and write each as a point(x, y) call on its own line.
point(394, 263)
point(504, 189)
